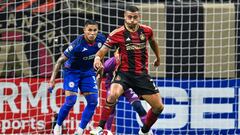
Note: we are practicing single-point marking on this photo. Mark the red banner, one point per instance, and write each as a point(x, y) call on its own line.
point(27, 107)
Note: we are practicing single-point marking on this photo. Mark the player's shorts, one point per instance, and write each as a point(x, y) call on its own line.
point(129, 94)
point(74, 79)
point(141, 84)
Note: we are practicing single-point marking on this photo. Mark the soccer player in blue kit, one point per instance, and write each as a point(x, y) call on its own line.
point(79, 73)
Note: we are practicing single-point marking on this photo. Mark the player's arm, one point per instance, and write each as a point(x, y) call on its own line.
point(99, 80)
point(99, 76)
point(56, 68)
point(97, 64)
point(109, 43)
point(154, 46)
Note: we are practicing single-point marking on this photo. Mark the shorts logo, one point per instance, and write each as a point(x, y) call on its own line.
point(71, 84)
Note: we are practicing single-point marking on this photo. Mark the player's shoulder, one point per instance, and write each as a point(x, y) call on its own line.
point(145, 27)
point(101, 37)
point(77, 41)
point(118, 30)
point(80, 37)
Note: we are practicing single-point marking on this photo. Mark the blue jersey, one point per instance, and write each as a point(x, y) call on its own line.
point(81, 54)
point(79, 72)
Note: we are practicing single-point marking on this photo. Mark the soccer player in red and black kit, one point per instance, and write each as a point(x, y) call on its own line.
point(133, 69)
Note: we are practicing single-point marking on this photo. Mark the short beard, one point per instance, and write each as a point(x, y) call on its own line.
point(131, 26)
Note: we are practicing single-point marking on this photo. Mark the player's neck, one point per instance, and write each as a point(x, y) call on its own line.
point(88, 41)
point(132, 29)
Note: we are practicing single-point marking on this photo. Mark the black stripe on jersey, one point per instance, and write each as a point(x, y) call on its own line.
point(108, 46)
point(130, 53)
point(142, 38)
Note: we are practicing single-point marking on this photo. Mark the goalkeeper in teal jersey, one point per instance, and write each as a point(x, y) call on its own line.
point(79, 73)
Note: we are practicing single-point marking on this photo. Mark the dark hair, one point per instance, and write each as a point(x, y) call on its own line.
point(132, 8)
point(90, 22)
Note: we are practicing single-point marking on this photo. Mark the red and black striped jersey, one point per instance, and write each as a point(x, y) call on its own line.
point(132, 48)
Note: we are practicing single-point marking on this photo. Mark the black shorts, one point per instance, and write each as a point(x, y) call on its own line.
point(141, 84)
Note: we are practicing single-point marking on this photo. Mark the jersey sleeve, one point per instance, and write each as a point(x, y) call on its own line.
point(150, 31)
point(109, 65)
point(70, 50)
point(101, 38)
point(111, 41)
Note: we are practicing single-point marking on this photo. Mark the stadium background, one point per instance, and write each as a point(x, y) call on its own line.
point(198, 76)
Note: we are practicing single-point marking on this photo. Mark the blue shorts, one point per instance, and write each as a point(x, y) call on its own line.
point(85, 81)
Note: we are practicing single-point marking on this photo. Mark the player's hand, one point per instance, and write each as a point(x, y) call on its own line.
point(50, 86)
point(156, 62)
point(97, 64)
point(100, 72)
